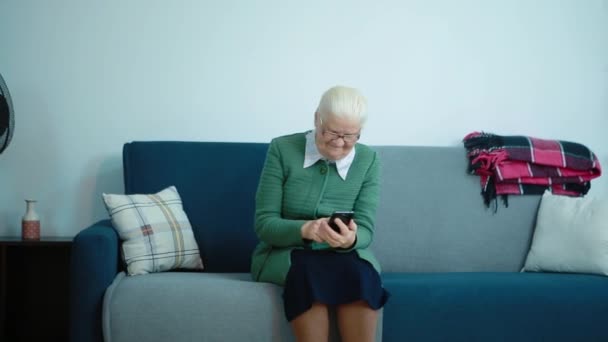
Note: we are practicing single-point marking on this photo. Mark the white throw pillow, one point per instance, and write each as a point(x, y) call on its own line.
point(156, 233)
point(571, 235)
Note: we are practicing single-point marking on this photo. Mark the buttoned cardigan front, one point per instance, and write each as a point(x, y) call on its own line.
point(288, 195)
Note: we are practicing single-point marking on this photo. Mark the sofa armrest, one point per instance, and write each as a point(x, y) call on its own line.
point(93, 266)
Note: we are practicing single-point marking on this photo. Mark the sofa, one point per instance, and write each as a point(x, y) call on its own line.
point(452, 265)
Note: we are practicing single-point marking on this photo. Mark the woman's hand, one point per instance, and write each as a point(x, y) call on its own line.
point(344, 239)
point(310, 229)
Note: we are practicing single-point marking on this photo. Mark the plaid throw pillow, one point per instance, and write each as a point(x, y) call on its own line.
point(155, 232)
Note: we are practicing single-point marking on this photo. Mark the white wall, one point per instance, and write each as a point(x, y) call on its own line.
point(87, 76)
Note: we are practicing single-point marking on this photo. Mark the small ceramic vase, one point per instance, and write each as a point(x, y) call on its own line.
point(30, 224)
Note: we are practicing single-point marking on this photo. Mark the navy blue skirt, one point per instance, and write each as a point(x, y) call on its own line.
point(330, 278)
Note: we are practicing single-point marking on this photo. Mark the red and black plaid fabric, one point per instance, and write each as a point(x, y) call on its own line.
point(518, 165)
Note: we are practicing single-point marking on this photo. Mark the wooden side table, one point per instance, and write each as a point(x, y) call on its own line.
point(34, 288)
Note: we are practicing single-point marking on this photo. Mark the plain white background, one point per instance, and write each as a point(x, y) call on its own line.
point(88, 76)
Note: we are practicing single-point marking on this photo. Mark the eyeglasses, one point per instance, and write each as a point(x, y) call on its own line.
point(347, 138)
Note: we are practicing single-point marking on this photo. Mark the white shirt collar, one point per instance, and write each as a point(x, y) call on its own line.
point(312, 155)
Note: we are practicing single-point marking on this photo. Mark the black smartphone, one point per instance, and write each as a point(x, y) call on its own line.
point(344, 216)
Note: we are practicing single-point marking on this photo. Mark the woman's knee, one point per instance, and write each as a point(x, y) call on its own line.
point(357, 321)
point(318, 313)
point(312, 324)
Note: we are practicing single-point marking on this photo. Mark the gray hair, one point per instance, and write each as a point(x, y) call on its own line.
point(340, 101)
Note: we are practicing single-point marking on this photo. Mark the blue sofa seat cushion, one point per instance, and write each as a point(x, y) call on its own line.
point(505, 306)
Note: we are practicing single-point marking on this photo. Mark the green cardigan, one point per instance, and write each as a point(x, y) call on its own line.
point(288, 195)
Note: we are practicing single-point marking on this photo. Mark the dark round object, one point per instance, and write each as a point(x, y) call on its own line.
point(7, 116)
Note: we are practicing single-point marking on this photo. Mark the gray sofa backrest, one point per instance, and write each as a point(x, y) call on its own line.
point(431, 216)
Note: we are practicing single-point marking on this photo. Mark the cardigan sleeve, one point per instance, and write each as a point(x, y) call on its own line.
point(366, 205)
point(270, 227)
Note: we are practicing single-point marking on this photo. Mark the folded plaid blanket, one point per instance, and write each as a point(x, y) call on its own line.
point(518, 165)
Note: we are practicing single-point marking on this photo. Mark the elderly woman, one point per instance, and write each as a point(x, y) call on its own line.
point(306, 177)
